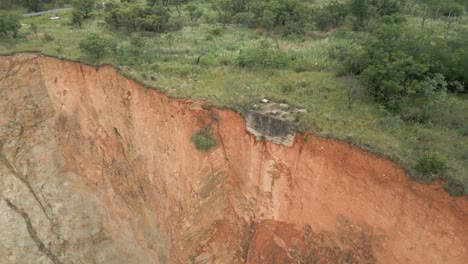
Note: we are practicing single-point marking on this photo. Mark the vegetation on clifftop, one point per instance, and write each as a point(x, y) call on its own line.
point(390, 76)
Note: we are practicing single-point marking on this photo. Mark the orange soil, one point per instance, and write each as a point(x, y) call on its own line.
point(319, 201)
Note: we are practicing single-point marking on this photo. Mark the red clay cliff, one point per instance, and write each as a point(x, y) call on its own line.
point(95, 168)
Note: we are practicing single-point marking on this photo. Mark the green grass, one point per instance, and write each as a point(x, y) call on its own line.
point(309, 82)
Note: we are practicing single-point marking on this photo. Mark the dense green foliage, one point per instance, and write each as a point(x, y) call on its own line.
point(387, 75)
point(263, 56)
point(204, 140)
point(432, 163)
point(331, 15)
point(85, 7)
point(285, 16)
point(399, 63)
point(195, 12)
point(94, 46)
point(77, 18)
point(9, 23)
point(33, 5)
point(135, 18)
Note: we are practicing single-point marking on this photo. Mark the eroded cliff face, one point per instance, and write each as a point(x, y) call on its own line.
point(94, 168)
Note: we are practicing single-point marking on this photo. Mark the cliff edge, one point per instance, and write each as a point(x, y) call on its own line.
point(94, 168)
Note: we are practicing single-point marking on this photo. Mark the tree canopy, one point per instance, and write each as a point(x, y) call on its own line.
point(94, 46)
point(134, 18)
point(84, 6)
point(9, 23)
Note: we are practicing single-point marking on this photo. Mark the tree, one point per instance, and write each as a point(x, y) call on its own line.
point(7, 4)
point(331, 15)
point(387, 7)
point(84, 6)
point(9, 23)
point(34, 5)
point(448, 57)
point(285, 16)
point(155, 19)
point(223, 8)
point(94, 46)
point(364, 10)
point(239, 5)
point(227, 9)
point(77, 18)
point(140, 18)
point(398, 66)
point(195, 12)
point(353, 89)
point(360, 10)
point(152, 2)
point(396, 77)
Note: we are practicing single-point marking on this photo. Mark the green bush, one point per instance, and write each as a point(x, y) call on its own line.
point(264, 56)
point(454, 187)
point(331, 15)
point(217, 31)
point(94, 46)
point(140, 18)
point(413, 114)
point(204, 140)
point(433, 163)
point(286, 17)
point(48, 37)
point(84, 6)
point(9, 23)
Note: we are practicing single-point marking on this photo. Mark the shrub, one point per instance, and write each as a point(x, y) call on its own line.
point(141, 18)
point(413, 114)
point(217, 31)
point(454, 187)
point(286, 17)
point(194, 11)
point(94, 46)
point(432, 162)
point(331, 15)
point(204, 140)
point(465, 155)
point(263, 56)
point(77, 18)
point(48, 37)
point(84, 6)
point(154, 67)
point(9, 23)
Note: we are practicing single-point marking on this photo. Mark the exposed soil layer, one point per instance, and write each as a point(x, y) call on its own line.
point(95, 168)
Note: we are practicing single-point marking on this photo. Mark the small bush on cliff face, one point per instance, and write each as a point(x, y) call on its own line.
point(204, 140)
point(431, 163)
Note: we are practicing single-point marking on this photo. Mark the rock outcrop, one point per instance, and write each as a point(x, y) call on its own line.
point(265, 127)
point(95, 168)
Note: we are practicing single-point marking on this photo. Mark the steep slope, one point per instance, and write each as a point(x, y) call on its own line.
point(94, 168)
